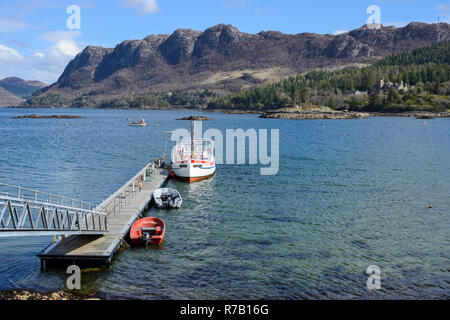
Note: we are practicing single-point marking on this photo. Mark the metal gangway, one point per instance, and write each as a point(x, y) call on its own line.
point(28, 212)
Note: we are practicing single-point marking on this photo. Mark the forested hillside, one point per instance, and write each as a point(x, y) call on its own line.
point(424, 73)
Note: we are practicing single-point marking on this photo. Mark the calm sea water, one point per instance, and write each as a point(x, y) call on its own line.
point(348, 194)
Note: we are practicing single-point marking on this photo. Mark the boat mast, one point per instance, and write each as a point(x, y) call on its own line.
point(192, 139)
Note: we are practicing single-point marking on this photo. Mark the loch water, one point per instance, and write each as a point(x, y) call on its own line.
point(348, 194)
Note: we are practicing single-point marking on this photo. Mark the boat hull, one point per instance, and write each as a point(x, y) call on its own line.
point(193, 171)
point(138, 231)
point(191, 180)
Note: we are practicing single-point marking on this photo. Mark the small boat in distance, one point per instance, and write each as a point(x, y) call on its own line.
point(146, 231)
point(167, 198)
point(141, 123)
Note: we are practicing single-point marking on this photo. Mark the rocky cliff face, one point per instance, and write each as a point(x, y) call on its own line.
point(222, 59)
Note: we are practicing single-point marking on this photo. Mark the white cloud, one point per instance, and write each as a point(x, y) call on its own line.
point(64, 46)
point(8, 25)
point(339, 32)
point(8, 55)
point(44, 65)
point(143, 6)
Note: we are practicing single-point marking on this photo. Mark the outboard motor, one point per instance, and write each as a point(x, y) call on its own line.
point(170, 203)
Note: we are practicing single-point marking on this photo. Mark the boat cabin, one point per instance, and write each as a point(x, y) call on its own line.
point(203, 150)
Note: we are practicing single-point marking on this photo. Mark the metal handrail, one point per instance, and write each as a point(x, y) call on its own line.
point(50, 198)
point(115, 202)
point(25, 211)
point(111, 205)
point(37, 204)
point(19, 217)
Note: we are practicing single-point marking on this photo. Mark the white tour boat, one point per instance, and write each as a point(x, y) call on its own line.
point(193, 159)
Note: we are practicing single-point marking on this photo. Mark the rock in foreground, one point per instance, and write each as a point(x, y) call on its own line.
point(34, 295)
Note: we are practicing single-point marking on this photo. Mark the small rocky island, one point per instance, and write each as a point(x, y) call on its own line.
point(312, 112)
point(196, 118)
point(55, 116)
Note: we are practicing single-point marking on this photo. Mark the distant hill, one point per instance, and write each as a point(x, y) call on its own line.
point(220, 60)
point(21, 88)
point(8, 99)
point(415, 81)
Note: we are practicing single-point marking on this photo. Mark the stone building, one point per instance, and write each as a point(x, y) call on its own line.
point(384, 87)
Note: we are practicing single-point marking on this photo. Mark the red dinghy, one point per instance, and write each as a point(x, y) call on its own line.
point(148, 231)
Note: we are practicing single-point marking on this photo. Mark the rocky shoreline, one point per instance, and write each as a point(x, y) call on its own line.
point(20, 294)
point(339, 115)
point(314, 115)
point(415, 114)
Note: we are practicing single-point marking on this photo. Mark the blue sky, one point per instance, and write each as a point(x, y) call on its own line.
point(35, 42)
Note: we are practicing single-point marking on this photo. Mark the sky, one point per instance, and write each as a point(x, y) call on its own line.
point(39, 37)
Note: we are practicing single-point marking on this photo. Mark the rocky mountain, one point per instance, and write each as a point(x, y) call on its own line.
point(8, 99)
point(21, 88)
point(221, 59)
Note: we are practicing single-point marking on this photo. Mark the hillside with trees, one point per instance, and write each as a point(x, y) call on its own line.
point(415, 81)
